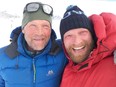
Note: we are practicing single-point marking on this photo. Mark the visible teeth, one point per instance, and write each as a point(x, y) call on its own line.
point(78, 48)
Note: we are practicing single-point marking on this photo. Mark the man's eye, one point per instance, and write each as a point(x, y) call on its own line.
point(32, 26)
point(46, 26)
point(68, 36)
point(83, 33)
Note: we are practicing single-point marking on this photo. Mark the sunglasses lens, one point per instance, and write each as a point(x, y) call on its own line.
point(32, 7)
point(47, 9)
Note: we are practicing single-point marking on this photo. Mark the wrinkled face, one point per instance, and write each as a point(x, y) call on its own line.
point(78, 44)
point(37, 34)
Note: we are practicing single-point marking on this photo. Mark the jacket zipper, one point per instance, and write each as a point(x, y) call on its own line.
point(34, 71)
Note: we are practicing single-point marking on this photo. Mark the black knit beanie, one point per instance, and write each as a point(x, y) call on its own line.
point(74, 17)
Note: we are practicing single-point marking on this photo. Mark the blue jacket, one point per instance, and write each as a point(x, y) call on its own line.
point(18, 69)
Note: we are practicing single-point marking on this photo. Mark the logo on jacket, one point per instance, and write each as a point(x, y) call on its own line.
point(50, 72)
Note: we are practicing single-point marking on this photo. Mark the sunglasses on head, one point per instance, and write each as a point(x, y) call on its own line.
point(35, 6)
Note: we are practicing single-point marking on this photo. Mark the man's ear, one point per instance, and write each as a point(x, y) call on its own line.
point(23, 31)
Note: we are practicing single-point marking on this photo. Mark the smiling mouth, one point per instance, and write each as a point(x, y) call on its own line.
point(78, 48)
point(40, 39)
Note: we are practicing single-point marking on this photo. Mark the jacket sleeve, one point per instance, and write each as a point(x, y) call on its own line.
point(105, 29)
point(2, 84)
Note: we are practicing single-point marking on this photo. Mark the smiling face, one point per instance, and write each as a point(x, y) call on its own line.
point(37, 34)
point(78, 44)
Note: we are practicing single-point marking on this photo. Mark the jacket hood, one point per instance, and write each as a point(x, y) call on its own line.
point(15, 33)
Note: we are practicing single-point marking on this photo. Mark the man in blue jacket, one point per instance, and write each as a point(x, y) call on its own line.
point(34, 58)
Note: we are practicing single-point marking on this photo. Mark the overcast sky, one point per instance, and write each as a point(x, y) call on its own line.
point(11, 13)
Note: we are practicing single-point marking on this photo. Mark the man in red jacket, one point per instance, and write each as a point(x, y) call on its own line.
point(89, 44)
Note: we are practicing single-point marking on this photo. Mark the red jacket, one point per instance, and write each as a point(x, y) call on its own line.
point(99, 70)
